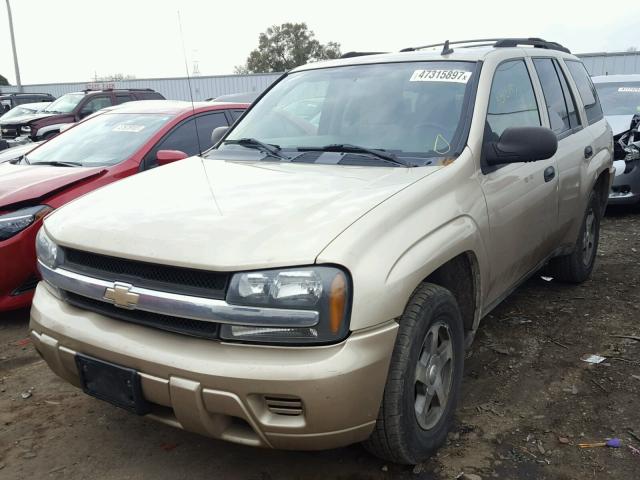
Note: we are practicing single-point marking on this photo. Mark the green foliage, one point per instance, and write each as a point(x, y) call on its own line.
point(4, 81)
point(286, 46)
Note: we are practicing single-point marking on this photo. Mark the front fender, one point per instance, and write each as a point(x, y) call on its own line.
point(394, 247)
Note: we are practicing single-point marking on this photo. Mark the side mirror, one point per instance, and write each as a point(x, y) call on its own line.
point(217, 134)
point(521, 144)
point(168, 156)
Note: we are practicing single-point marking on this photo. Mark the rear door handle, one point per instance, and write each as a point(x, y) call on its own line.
point(588, 151)
point(549, 174)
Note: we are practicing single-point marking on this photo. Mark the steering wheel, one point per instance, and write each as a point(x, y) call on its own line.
point(302, 125)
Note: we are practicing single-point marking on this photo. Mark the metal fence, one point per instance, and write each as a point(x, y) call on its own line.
point(171, 88)
point(606, 63)
point(611, 63)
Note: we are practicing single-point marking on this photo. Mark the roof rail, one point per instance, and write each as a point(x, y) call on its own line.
point(358, 54)
point(492, 42)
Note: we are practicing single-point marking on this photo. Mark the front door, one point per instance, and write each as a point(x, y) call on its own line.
point(522, 198)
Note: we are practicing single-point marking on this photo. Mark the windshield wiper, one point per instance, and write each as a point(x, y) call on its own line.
point(349, 148)
point(269, 149)
point(58, 164)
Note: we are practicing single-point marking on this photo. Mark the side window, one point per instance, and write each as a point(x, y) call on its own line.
point(206, 124)
point(586, 90)
point(512, 102)
point(553, 96)
point(149, 96)
point(236, 114)
point(123, 98)
point(574, 118)
point(183, 137)
point(95, 104)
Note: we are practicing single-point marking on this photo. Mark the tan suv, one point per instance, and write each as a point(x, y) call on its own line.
point(312, 281)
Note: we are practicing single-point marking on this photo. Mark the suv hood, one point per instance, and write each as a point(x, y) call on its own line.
point(22, 119)
point(52, 118)
point(222, 215)
point(21, 183)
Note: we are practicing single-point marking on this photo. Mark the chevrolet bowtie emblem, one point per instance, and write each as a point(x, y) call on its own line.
point(120, 295)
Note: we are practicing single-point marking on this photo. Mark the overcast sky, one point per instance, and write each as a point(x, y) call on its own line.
point(71, 40)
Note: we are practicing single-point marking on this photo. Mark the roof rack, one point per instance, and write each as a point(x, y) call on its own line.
point(492, 42)
point(358, 54)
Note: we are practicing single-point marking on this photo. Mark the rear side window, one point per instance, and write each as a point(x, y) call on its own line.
point(586, 90)
point(123, 98)
point(574, 118)
point(512, 102)
point(149, 96)
point(553, 96)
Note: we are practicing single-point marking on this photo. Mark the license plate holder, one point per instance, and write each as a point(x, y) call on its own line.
point(112, 383)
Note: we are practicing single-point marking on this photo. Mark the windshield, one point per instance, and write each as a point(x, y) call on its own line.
point(619, 98)
point(65, 103)
point(104, 140)
point(411, 109)
point(18, 112)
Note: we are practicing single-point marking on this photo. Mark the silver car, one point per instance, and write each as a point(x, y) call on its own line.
point(620, 99)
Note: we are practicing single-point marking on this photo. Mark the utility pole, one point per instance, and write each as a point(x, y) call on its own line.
point(13, 46)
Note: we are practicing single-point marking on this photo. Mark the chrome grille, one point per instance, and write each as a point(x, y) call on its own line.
point(185, 326)
point(166, 278)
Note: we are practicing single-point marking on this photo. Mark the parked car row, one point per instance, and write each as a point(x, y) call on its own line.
point(69, 108)
point(9, 101)
point(312, 279)
point(117, 142)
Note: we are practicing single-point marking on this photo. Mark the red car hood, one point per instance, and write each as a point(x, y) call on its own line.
point(20, 183)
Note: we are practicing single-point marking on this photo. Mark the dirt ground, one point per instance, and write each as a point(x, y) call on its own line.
point(528, 400)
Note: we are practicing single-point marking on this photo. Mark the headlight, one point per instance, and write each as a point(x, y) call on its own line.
point(325, 290)
point(14, 222)
point(25, 130)
point(46, 249)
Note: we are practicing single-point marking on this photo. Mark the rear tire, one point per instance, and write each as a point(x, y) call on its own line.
point(577, 267)
point(423, 383)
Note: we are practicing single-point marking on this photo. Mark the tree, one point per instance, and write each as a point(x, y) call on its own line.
point(283, 47)
point(632, 49)
point(4, 81)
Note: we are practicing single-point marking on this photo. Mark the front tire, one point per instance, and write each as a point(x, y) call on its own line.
point(577, 267)
point(423, 383)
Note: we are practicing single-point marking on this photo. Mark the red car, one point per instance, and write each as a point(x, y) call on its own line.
point(115, 143)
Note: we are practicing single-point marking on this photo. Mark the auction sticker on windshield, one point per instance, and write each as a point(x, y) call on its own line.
point(458, 76)
point(629, 89)
point(126, 127)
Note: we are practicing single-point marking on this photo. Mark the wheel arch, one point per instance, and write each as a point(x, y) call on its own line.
point(461, 276)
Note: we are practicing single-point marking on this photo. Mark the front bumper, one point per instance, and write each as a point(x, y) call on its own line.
point(626, 187)
point(230, 391)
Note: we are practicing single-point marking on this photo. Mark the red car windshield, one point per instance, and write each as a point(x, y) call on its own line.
point(104, 140)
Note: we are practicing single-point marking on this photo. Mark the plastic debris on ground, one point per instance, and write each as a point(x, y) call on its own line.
point(591, 358)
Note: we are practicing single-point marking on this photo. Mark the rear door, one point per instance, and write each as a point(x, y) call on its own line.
point(521, 198)
point(573, 138)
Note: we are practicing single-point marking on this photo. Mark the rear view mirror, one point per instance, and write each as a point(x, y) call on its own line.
point(521, 144)
point(217, 134)
point(168, 156)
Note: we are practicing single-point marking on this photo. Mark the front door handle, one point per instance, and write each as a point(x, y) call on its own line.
point(588, 151)
point(549, 174)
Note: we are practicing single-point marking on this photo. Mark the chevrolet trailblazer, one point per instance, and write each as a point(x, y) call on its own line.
point(312, 280)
